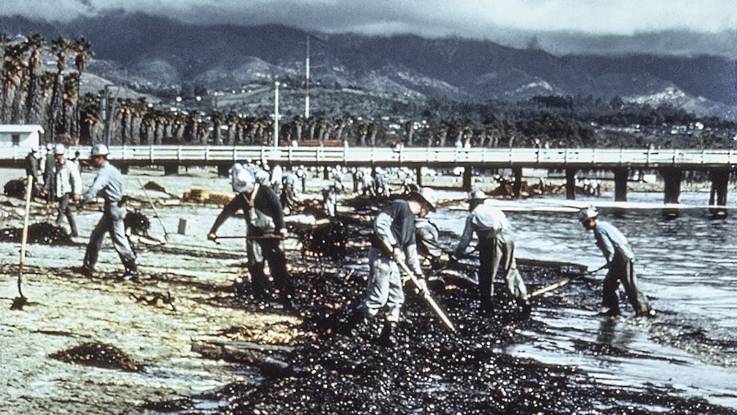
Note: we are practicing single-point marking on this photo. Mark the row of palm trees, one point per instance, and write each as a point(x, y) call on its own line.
point(38, 87)
point(33, 94)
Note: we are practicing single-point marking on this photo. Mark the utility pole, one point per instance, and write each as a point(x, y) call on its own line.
point(276, 113)
point(307, 80)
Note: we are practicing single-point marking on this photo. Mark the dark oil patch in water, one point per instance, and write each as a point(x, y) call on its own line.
point(98, 354)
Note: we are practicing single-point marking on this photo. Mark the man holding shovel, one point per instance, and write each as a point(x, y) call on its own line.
point(496, 248)
point(620, 261)
point(265, 230)
point(393, 242)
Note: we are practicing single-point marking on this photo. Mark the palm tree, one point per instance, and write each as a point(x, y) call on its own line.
point(59, 48)
point(33, 98)
point(217, 119)
point(89, 108)
point(69, 105)
point(82, 53)
point(19, 81)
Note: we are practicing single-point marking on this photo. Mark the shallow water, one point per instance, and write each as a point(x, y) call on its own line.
point(686, 266)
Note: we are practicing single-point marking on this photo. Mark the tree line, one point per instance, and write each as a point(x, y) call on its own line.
point(40, 87)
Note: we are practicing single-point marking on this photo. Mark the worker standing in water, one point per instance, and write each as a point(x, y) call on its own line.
point(620, 261)
point(496, 249)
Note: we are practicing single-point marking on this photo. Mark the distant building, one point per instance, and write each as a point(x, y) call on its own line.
point(19, 138)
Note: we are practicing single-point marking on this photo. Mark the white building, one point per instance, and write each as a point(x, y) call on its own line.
point(19, 138)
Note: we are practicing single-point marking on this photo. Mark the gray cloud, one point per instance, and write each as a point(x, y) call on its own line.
point(471, 18)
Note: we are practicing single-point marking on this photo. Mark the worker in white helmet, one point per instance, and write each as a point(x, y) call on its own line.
point(108, 184)
point(265, 230)
point(67, 186)
point(496, 249)
point(620, 261)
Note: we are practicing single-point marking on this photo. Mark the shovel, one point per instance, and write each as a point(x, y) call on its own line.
point(19, 302)
point(426, 295)
point(265, 237)
point(156, 211)
point(562, 283)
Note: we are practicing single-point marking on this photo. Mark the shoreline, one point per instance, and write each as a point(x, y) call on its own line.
point(327, 371)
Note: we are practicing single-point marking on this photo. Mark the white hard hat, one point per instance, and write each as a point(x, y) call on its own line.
point(588, 213)
point(430, 197)
point(236, 167)
point(99, 150)
point(241, 180)
point(49, 146)
point(59, 150)
point(477, 194)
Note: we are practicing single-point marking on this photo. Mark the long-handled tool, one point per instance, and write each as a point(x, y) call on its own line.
point(427, 297)
point(562, 283)
point(156, 211)
point(19, 302)
point(265, 237)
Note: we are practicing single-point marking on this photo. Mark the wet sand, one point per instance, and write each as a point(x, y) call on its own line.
point(430, 371)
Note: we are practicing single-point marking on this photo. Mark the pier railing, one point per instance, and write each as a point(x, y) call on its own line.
point(411, 156)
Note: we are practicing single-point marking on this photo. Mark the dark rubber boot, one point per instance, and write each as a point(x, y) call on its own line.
point(131, 271)
point(356, 318)
point(387, 337)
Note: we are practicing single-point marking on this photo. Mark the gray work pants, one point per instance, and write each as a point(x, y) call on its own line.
point(271, 251)
point(329, 201)
point(496, 249)
point(384, 286)
point(111, 222)
point(65, 209)
point(622, 269)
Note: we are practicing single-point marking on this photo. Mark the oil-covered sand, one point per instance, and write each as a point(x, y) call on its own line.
point(202, 348)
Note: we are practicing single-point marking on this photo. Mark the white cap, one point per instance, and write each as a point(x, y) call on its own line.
point(59, 150)
point(49, 146)
point(477, 194)
point(241, 180)
point(588, 213)
point(99, 150)
point(430, 197)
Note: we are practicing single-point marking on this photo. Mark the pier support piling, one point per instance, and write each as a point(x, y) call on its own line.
point(418, 173)
point(223, 170)
point(672, 184)
point(171, 169)
point(468, 179)
point(620, 184)
point(517, 188)
point(719, 185)
point(571, 184)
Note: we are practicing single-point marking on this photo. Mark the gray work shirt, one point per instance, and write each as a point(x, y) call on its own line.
point(427, 238)
point(108, 184)
point(609, 239)
point(484, 218)
point(67, 179)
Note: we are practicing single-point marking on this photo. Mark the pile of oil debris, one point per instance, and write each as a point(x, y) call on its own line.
point(17, 188)
point(430, 370)
point(99, 355)
point(328, 241)
point(43, 233)
point(137, 222)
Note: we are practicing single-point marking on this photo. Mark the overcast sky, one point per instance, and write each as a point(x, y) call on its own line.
point(468, 18)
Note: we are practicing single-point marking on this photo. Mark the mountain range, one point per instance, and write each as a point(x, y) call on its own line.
point(157, 53)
